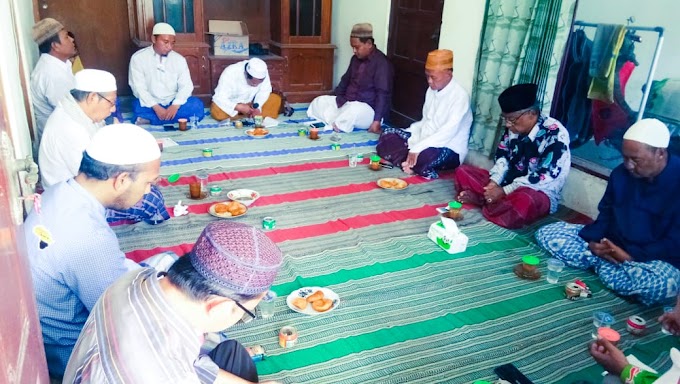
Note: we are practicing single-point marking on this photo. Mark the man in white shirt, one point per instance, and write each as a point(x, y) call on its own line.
point(52, 77)
point(161, 82)
point(245, 90)
point(73, 123)
point(440, 140)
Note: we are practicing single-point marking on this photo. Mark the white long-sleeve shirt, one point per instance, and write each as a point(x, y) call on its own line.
point(51, 80)
point(446, 121)
point(68, 131)
point(233, 89)
point(156, 79)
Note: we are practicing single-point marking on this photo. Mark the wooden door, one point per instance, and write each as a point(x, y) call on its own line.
point(22, 355)
point(414, 31)
point(101, 30)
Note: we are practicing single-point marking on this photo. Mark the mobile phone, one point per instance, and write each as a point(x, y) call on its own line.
point(317, 125)
point(385, 165)
point(443, 209)
point(169, 127)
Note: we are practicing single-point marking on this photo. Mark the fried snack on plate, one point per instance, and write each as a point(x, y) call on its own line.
point(322, 305)
point(221, 208)
point(300, 303)
point(318, 295)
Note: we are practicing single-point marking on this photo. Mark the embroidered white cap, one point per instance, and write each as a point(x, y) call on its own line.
point(257, 68)
point(649, 131)
point(163, 29)
point(123, 144)
point(95, 80)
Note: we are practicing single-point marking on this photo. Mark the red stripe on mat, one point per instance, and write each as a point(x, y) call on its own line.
point(269, 171)
point(312, 230)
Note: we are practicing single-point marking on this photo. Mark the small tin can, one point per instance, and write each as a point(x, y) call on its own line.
point(288, 337)
point(302, 132)
point(636, 325)
point(215, 191)
point(268, 223)
point(572, 291)
point(335, 146)
point(238, 124)
point(256, 352)
point(207, 152)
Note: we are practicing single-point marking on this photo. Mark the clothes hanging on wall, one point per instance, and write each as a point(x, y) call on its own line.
point(610, 120)
point(606, 46)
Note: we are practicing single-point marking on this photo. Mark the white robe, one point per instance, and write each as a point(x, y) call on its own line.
point(233, 89)
point(67, 133)
point(446, 121)
point(156, 79)
point(352, 114)
point(51, 80)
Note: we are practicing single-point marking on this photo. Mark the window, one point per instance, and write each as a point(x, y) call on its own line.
point(178, 13)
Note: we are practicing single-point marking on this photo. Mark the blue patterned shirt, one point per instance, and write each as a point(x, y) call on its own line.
point(539, 160)
point(72, 272)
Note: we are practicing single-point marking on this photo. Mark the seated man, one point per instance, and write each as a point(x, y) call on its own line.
point(531, 164)
point(243, 89)
point(362, 98)
point(52, 77)
point(150, 325)
point(73, 123)
point(161, 82)
point(633, 244)
point(440, 139)
point(74, 255)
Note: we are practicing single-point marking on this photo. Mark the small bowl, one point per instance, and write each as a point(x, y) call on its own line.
point(243, 196)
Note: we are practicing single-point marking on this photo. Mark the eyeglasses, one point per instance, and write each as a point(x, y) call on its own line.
point(245, 309)
point(513, 121)
point(104, 97)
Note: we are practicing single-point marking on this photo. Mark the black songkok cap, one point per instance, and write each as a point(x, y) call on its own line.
point(518, 97)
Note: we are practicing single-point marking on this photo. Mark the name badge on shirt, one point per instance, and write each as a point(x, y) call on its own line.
point(43, 234)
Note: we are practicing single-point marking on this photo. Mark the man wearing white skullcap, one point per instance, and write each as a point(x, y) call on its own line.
point(73, 123)
point(245, 90)
point(633, 244)
point(161, 82)
point(74, 255)
point(52, 77)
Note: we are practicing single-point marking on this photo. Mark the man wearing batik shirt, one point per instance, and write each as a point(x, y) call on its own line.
point(531, 164)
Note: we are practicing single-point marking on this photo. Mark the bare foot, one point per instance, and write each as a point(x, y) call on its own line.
point(467, 197)
point(407, 170)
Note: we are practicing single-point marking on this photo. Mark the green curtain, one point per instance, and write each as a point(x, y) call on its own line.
point(523, 41)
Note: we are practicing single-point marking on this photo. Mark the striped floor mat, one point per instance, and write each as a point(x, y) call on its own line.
point(409, 312)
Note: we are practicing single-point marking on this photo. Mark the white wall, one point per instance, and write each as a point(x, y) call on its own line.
point(663, 13)
point(346, 13)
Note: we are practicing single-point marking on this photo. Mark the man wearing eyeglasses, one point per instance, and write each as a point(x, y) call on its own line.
point(71, 126)
point(532, 162)
point(148, 326)
point(161, 82)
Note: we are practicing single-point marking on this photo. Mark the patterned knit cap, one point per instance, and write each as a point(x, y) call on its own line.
point(237, 257)
point(45, 29)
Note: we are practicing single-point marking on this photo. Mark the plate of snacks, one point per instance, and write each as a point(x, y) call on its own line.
point(312, 300)
point(392, 183)
point(257, 133)
point(228, 210)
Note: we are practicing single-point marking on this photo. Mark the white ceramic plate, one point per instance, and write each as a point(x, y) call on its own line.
point(243, 196)
point(249, 132)
point(227, 215)
point(392, 183)
point(306, 291)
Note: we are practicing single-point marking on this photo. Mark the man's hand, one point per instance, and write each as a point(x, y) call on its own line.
point(160, 112)
point(671, 320)
point(617, 252)
point(255, 112)
point(243, 109)
point(171, 112)
point(608, 356)
point(493, 193)
point(375, 127)
point(609, 251)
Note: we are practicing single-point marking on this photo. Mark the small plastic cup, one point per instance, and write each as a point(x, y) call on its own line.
point(608, 334)
point(555, 267)
point(182, 124)
point(267, 305)
point(601, 319)
point(353, 159)
point(663, 329)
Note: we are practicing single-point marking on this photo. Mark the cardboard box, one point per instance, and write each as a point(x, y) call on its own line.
point(446, 235)
point(229, 38)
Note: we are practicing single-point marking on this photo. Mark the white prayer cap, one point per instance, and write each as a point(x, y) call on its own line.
point(257, 68)
point(163, 29)
point(649, 131)
point(95, 80)
point(123, 144)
